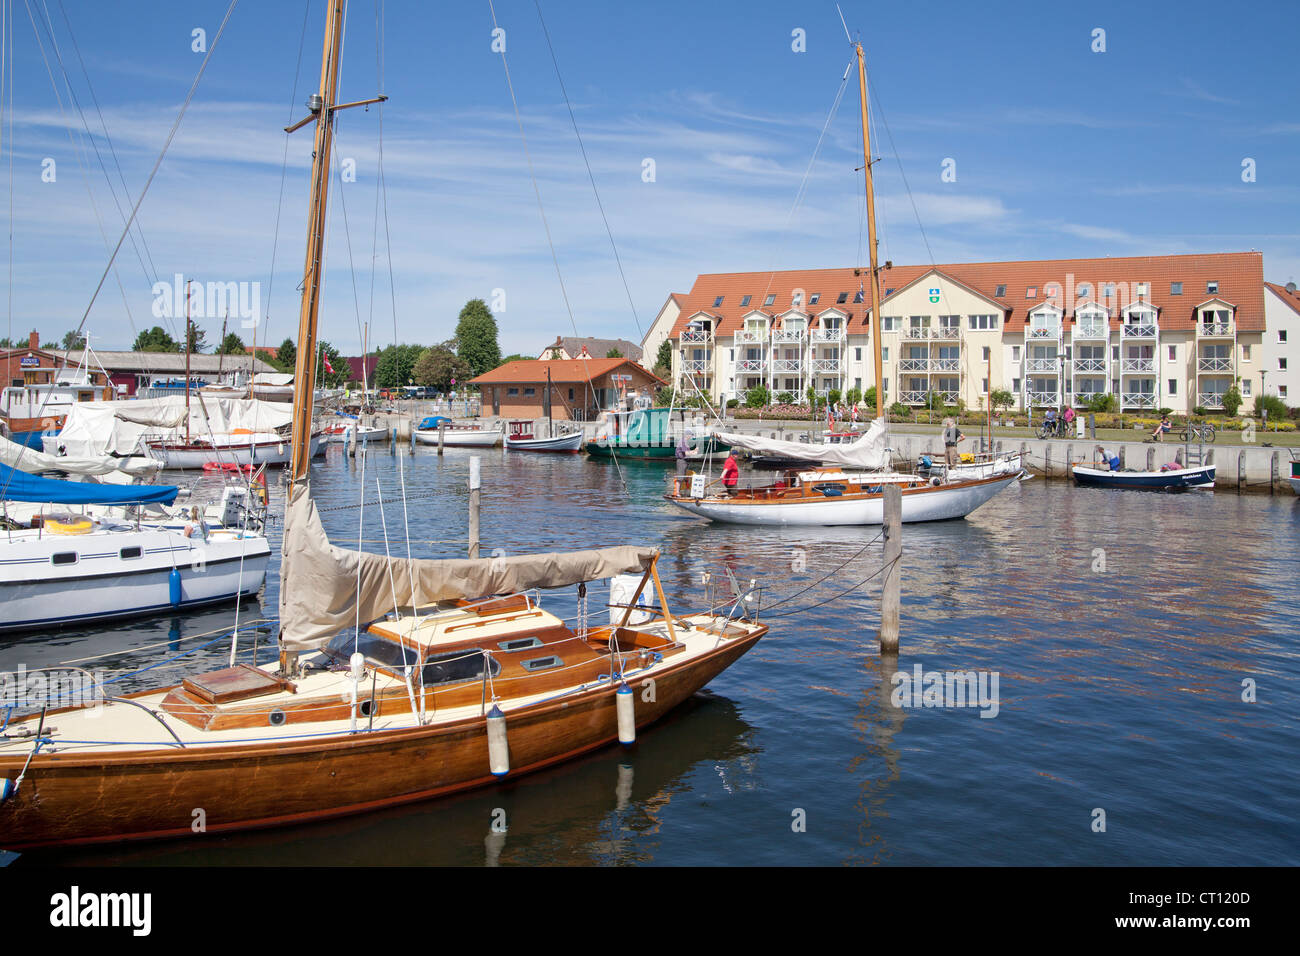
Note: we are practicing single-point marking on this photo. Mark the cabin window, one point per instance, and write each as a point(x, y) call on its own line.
point(64, 557)
point(519, 643)
point(127, 554)
point(542, 663)
point(463, 665)
point(383, 651)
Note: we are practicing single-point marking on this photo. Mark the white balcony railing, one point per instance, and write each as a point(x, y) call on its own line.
point(912, 397)
point(1138, 400)
point(1037, 399)
point(914, 365)
point(944, 364)
point(1139, 330)
point(697, 337)
point(1214, 329)
point(788, 366)
point(1045, 332)
point(1214, 365)
point(1048, 365)
point(1138, 365)
point(1091, 330)
point(826, 366)
point(789, 335)
point(1087, 366)
point(751, 365)
point(820, 336)
point(1210, 400)
point(1083, 398)
point(750, 335)
point(946, 332)
point(916, 332)
point(695, 366)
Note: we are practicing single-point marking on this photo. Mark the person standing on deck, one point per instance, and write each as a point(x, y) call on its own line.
point(951, 436)
point(730, 474)
point(683, 450)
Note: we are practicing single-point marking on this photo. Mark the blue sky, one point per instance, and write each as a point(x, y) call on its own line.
point(1059, 151)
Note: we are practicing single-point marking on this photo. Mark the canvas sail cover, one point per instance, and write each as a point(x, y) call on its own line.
point(20, 486)
point(33, 462)
point(320, 594)
point(868, 452)
point(103, 428)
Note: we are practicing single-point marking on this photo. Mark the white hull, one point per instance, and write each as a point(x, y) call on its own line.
point(560, 443)
point(931, 503)
point(976, 470)
point(276, 452)
point(100, 583)
point(460, 437)
point(367, 433)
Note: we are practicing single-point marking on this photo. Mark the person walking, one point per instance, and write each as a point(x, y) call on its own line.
point(683, 450)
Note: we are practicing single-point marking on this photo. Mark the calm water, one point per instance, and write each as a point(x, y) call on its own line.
point(1120, 689)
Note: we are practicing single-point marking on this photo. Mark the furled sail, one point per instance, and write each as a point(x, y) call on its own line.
point(320, 595)
point(20, 486)
point(33, 462)
point(867, 452)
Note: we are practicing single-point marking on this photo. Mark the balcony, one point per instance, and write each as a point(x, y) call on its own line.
point(1138, 400)
point(789, 335)
point(912, 397)
point(916, 332)
point(753, 336)
point(697, 366)
point(1038, 399)
point(1214, 330)
point(751, 365)
point(1089, 366)
point(1085, 398)
point(1045, 332)
point(946, 332)
point(1210, 400)
point(1131, 365)
point(1091, 330)
point(697, 337)
point(826, 366)
point(788, 366)
point(1041, 365)
point(944, 364)
point(1214, 365)
point(914, 365)
point(1139, 330)
point(827, 336)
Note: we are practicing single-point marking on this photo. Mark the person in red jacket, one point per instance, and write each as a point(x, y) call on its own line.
point(730, 474)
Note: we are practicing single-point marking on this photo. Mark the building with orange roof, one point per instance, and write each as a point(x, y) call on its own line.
point(1156, 331)
point(577, 389)
point(1281, 361)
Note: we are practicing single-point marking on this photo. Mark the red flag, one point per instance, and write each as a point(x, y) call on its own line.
point(326, 359)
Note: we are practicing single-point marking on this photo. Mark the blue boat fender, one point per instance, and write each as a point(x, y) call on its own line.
point(174, 587)
point(6, 789)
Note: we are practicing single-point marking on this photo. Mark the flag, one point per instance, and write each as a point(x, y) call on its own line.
point(326, 359)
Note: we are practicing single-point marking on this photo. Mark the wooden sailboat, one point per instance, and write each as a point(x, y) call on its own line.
point(520, 437)
point(454, 678)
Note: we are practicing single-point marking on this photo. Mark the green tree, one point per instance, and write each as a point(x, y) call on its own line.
point(758, 397)
point(854, 395)
point(198, 339)
point(155, 340)
point(396, 365)
point(438, 366)
point(232, 344)
point(73, 340)
point(342, 370)
point(517, 357)
point(286, 356)
point(613, 353)
point(664, 360)
point(833, 396)
point(1001, 398)
point(476, 337)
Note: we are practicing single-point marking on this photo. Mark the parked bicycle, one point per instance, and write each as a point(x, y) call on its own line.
point(1054, 428)
point(1197, 432)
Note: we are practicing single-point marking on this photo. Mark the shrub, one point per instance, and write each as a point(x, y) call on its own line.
point(1103, 403)
point(1001, 398)
point(833, 396)
point(854, 395)
point(869, 397)
point(758, 396)
point(899, 410)
point(1231, 401)
point(1199, 411)
point(785, 398)
point(1276, 408)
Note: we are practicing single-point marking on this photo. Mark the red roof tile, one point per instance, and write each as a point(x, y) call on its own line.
point(1290, 298)
point(1240, 276)
point(562, 371)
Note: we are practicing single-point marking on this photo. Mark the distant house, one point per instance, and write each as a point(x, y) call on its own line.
point(136, 370)
point(578, 389)
point(572, 348)
point(359, 363)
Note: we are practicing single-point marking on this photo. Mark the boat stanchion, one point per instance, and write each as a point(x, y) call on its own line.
point(889, 592)
point(498, 745)
point(625, 705)
point(475, 483)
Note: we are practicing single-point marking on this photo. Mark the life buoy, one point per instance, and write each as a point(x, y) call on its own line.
point(68, 524)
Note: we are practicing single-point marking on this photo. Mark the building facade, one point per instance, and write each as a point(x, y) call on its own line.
point(1282, 331)
point(577, 389)
point(1171, 332)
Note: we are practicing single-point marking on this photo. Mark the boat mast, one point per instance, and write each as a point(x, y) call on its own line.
point(871, 236)
point(322, 109)
point(187, 361)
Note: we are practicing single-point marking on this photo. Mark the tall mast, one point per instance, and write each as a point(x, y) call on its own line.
point(871, 236)
point(187, 361)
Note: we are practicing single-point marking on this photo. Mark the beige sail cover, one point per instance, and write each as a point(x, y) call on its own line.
point(868, 452)
point(320, 595)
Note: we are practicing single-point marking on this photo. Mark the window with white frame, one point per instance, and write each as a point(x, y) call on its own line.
point(980, 323)
point(1245, 385)
point(1015, 353)
point(890, 323)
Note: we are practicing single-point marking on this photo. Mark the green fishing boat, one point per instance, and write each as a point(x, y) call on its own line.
point(648, 434)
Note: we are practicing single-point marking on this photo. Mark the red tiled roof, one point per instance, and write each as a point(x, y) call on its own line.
point(1240, 276)
point(1290, 298)
point(562, 371)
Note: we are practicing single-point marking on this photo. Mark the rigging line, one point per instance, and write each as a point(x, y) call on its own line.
point(361, 523)
point(374, 232)
point(151, 270)
point(347, 235)
point(284, 169)
point(590, 175)
point(835, 597)
point(7, 37)
point(830, 574)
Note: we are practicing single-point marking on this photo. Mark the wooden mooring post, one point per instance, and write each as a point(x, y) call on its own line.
point(475, 483)
point(442, 436)
point(889, 591)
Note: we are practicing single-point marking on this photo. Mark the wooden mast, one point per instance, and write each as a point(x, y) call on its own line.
point(871, 236)
point(187, 361)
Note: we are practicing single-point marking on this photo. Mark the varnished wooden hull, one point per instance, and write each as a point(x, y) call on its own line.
point(80, 798)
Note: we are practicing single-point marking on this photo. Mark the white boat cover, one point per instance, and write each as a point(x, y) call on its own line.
point(272, 378)
point(333, 588)
point(34, 462)
point(94, 429)
point(868, 452)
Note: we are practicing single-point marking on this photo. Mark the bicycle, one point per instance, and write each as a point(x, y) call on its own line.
point(1197, 432)
point(1056, 428)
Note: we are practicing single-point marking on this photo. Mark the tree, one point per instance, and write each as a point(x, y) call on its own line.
point(517, 357)
point(73, 340)
point(833, 396)
point(854, 395)
point(396, 365)
point(1232, 401)
point(342, 370)
point(613, 353)
point(438, 366)
point(286, 356)
point(155, 340)
point(664, 360)
point(232, 344)
point(476, 337)
point(758, 397)
point(198, 339)
point(1001, 398)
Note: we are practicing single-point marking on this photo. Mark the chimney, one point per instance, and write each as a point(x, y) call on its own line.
point(34, 340)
